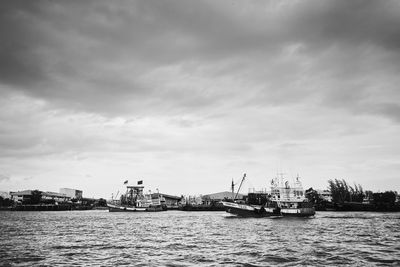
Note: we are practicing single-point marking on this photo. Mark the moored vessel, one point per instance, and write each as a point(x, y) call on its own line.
point(283, 200)
point(290, 198)
point(249, 210)
point(134, 200)
point(242, 209)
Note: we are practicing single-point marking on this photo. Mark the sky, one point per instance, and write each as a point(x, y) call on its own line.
point(188, 95)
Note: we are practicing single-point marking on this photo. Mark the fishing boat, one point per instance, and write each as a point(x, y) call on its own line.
point(242, 209)
point(282, 200)
point(250, 210)
point(134, 200)
point(290, 198)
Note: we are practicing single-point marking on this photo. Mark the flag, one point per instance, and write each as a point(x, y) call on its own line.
point(126, 182)
point(140, 182)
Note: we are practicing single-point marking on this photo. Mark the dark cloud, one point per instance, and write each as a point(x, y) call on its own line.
point(350, 22)
point(21, 64)
point(104, 57)
point(392, 110)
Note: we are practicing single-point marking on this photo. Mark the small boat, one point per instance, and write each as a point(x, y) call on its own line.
point(134, 200)
point(283, 200)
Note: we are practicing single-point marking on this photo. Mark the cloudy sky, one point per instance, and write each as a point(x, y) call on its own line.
point(187, 95)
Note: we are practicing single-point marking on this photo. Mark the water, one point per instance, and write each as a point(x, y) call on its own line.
point(176, 238)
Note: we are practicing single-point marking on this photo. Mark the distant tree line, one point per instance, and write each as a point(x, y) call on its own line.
point(348, 197)
point(6, 202)
point(384, 200)
point(343, 192)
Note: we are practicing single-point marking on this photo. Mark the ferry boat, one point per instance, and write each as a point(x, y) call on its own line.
point(283, 200)
point(134, 200)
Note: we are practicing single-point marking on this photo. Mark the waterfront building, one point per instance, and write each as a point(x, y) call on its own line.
point(35, 196)
point(168, 200)
point(217, 197)
point(192, 200)
point(72, 193)
point(56, 197)
point(21, 196)
point(325, 194)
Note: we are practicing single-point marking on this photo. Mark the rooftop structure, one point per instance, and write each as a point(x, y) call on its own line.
point(168, 200)
point(72, 193)
point(221, 196)
point(325, 194)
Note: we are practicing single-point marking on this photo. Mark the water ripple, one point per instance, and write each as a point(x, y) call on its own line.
point(174, 238)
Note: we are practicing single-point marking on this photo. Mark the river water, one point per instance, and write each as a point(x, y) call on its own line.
point(178, 238)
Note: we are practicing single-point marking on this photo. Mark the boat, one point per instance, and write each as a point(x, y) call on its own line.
point(283, 200)
point(250, 210)
point(134, 200)
point(291, 198)
point(243, 209)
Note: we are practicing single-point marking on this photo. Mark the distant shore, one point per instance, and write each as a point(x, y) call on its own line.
point(334, 207)
point(356, 206)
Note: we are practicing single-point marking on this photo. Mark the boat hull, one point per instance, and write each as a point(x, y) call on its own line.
point(119, 208)
point(244, 210)
point(299, 212)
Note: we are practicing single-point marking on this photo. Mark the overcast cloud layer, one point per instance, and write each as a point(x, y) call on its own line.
point(187, 95)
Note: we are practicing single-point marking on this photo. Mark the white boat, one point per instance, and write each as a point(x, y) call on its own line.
point(134, 200)
point(290, 198)
point(116, 208)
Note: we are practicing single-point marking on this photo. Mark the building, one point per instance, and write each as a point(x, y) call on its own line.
point(192, 200)
point(37, 197)
point(57, 197)
point(72, 193)
point(217, 197)
point(22, 196)
point(325, 194)
point(168, 200)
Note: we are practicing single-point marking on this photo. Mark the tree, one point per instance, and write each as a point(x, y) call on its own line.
point(342, 192)
point(388, 197)
point(6, 202)
point(102, 202)
point(313, 196)
point(36, 197)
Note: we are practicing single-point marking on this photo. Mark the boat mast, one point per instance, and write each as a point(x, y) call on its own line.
point(233, 190)
point(244, 176)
